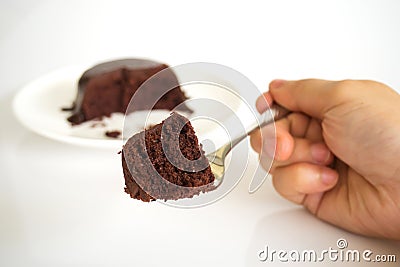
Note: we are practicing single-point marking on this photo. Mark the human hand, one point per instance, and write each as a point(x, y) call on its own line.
point(338, 152)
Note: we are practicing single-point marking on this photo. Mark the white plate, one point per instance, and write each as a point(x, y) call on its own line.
point(38, 107)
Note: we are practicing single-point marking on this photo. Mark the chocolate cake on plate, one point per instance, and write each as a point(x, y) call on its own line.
point(108, 87)
point(166, 162)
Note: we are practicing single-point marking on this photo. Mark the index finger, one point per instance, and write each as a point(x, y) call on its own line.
point(311, 96)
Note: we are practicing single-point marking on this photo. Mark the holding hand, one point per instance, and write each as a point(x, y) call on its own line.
point(338, 152)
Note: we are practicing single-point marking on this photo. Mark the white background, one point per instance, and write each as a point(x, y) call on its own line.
point(63, 205)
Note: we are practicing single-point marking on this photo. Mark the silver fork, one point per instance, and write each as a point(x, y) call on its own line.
point(217, 158)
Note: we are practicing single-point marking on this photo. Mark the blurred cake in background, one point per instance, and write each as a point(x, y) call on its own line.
point(108, 87)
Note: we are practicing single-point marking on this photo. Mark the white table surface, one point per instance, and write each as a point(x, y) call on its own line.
point(64, 205)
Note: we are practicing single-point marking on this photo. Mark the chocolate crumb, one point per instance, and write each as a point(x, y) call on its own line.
point(113, 134)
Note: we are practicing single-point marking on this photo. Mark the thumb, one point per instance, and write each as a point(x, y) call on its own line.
point(312, 97)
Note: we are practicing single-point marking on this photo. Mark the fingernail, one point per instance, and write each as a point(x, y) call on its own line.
point(275, 84)
point(269, 146)
point(328, 177)
point(320, 153)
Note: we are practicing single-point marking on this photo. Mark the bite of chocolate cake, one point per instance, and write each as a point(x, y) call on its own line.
point(166, 162)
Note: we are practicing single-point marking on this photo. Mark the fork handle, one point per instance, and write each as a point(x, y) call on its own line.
point(278, 112)
point(218, 156)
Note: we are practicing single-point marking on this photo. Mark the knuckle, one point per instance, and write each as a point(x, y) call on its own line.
point(346, 83)
point(301, 84)
point(342, 86)
point(342, 89)
point(346, 89)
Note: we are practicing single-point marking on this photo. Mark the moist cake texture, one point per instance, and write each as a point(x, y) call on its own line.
point(166, 162)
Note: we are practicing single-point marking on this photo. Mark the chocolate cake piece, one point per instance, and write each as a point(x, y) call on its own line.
point(166, 162)
point(108, 87)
